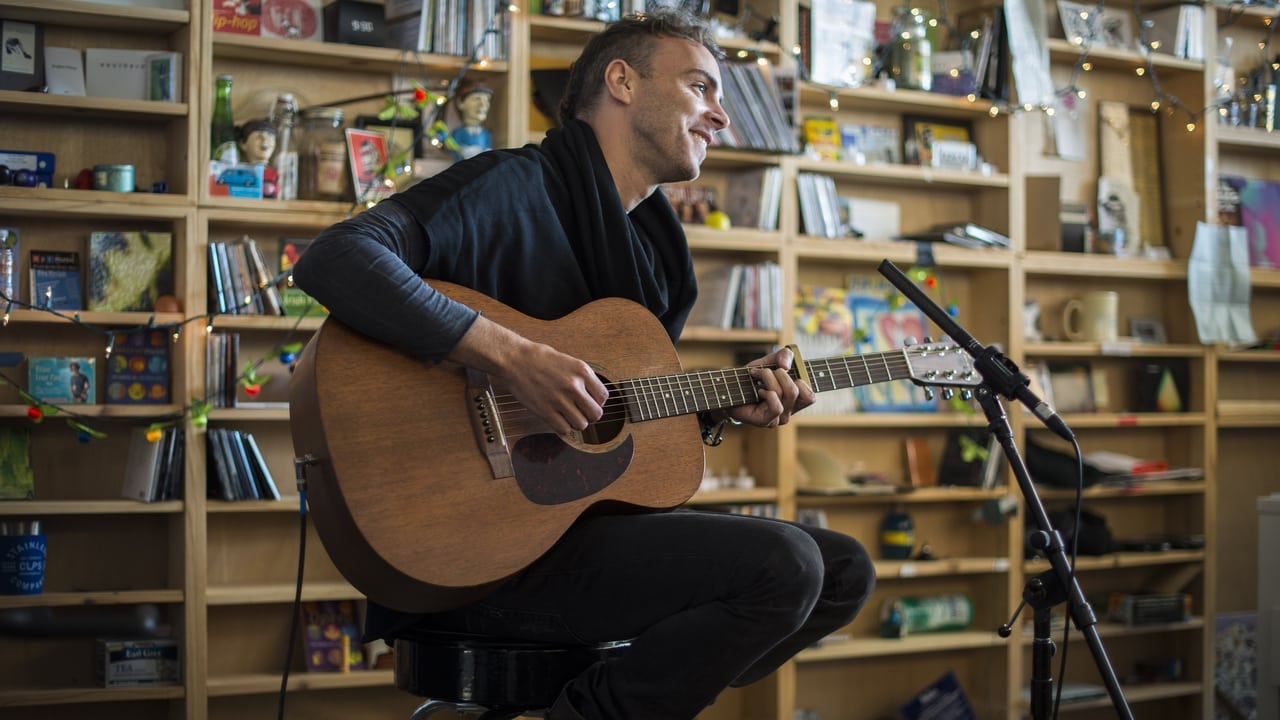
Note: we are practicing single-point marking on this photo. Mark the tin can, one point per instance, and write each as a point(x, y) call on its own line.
point(116, 178)
point(902, 616)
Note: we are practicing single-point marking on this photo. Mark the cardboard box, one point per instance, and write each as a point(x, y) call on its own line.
point(355, 23)
point(129, 663)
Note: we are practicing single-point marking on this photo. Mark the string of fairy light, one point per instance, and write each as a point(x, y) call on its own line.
point(1161, 99)
point(38, 409)
point(287, 348)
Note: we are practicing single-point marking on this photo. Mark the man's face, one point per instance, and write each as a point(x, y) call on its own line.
point(677, 110)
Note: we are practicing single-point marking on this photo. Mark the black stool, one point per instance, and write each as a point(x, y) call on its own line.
point(499, 679)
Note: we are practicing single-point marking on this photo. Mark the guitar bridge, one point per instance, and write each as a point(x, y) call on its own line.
point(486, 424)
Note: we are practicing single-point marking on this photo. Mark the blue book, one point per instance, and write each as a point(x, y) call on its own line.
point(55, 280)
point(138, 369)
point(62, 380)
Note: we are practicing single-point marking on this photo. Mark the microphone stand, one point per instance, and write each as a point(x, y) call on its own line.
point(1001, 377)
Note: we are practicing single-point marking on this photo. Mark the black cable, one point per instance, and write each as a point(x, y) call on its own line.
point(1075, 547)
point(297, 604)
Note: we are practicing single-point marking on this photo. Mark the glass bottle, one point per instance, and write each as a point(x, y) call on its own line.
point(322, 157)
point(222, 127)
point(284, 118)
point(911, 51)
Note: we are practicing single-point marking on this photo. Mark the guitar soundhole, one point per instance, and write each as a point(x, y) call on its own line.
point(550, 471)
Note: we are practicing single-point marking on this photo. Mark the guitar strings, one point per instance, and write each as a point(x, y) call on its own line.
point(670, 391)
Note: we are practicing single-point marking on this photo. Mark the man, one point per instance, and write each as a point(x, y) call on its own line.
point(711, 600)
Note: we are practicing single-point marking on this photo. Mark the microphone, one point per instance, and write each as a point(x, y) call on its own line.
point(999, 372)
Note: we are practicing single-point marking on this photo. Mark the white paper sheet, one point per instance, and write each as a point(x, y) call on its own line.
point(1218, 284)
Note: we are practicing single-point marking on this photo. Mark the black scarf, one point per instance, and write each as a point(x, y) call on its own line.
point(644, 258)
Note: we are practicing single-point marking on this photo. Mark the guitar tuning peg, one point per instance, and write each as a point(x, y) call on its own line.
point(928, 394)
point(948, 393)
point(909, 341)
point(966, 395)
point(927, 340)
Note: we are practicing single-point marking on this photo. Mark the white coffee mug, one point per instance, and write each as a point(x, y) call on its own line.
point(1092, 317)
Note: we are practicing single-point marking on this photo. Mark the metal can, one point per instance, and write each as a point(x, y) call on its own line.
point(903, 616)
point(116, 178)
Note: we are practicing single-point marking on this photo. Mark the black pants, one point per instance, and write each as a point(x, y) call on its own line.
point(711, 600)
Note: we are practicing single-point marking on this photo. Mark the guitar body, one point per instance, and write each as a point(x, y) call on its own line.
point(408, 494)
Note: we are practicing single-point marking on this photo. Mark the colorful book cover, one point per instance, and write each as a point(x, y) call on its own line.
point(296, 303)
point(138, 369)
point(1259, 203)
point(884, 321)
point(129, 270)
point(17, 482)
point(62, 380)
point(324, 625)
point(55, 280)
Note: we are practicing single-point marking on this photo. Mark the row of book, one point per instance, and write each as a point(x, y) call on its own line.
point(128, 271)
point(755, 105)
point(154, 468)
point(237, 470)
point(240, 282)
point(739, 295)
point(448, 27)
point(221, 368)
point(752, 197)
point(820, 206)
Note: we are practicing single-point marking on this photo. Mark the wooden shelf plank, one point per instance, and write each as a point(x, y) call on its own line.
point(891, 420)
point(279, 593)
point(904, 175)
point(919, 495)
point(901, 252)
point(905, 569)
point(880, 647)
point(30, 508)
point(874, 99)
point(316, 55)
point(1119, 348)
point(1040, 262)
point(91, 598)
point(735, 497)
point(82, 695)
point(96, 15)
point(87, 105)
point(46, 203)
point(137, 412)
point(222, 686)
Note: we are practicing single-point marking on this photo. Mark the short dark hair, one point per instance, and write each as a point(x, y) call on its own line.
point(630, 39)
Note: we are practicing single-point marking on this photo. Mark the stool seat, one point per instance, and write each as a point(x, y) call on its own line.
point(478, 672)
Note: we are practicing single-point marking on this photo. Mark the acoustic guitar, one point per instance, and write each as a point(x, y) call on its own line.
point(429, 484)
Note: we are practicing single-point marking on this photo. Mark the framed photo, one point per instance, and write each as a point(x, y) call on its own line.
point(1085, 24)
point(1147, 330)
point(400, 137)
point(920, 133)
point(22, 57)
point(1072, 387)
point(367, 151)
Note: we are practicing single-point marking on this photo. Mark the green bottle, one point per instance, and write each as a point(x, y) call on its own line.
point(222, 127)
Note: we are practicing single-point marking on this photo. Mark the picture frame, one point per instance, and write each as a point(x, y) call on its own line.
point(401, 136)
point(920, 132)
point(22, 57)
point(1072, 387)
point(367, 152)
point(1087, 24)
point(1147, 330)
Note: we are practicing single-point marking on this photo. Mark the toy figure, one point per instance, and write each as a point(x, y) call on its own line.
point(473, 101)
point(257, 141)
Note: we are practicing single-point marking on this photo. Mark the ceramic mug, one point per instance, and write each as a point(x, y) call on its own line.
point(1092, 317)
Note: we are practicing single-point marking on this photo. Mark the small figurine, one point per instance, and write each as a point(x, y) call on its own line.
point(473, 101)
point(257, 141)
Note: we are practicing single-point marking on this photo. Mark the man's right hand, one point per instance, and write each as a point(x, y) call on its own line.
point(560, 389)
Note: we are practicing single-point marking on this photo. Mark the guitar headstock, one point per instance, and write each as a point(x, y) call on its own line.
point(941, 364)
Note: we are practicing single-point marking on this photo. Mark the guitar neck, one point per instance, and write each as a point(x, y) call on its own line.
point(687, 393)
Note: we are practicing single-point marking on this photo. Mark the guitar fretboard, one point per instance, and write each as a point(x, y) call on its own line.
point(684, 394)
